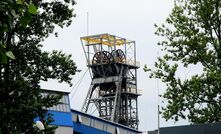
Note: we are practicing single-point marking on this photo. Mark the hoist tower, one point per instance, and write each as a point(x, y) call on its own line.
point(113, 92)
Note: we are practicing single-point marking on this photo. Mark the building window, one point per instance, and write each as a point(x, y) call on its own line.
point(74, 117)
point(105, 126)
point(123, 131)
point(117, 130)
point(110, 129)
point(85, 120)
point(98, 124)
point(79, 118)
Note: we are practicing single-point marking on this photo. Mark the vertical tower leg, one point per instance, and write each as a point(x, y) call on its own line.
point(115, 109)
point(87, 100)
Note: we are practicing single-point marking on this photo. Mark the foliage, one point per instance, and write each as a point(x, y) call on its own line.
point(192, 37)
point(25, 25)
point(13, 11)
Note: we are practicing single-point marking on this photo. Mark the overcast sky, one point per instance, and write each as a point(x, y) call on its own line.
point(130, 19)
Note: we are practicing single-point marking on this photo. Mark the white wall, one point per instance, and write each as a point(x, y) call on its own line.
point(64, 130)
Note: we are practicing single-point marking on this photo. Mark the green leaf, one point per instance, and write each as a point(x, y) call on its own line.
point(3, 28)
point(2, 48)
point(26, 19)
point(13, 13)
point(20, 2)
point(146, 69)
point(32, 9)
point(3, 58)
point(5, 3)
point(10, 54)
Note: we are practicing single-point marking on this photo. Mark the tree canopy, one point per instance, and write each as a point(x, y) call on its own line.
point(23, 26)
point(191, 37)
point(9, 12)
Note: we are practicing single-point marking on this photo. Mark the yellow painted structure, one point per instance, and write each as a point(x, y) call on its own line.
point(105, 39)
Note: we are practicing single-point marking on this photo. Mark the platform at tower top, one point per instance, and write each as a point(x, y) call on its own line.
point(105, 48)
point(105, 39)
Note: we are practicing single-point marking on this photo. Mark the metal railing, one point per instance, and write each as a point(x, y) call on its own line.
point(133, 90)
point(128, 62)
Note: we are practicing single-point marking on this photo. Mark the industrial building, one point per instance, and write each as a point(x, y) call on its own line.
point(70, 121)
point(87, 124)
point(62, 115)
point(207, 128)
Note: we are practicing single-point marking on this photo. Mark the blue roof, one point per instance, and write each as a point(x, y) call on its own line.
point(80, 128)
point(106, 121)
